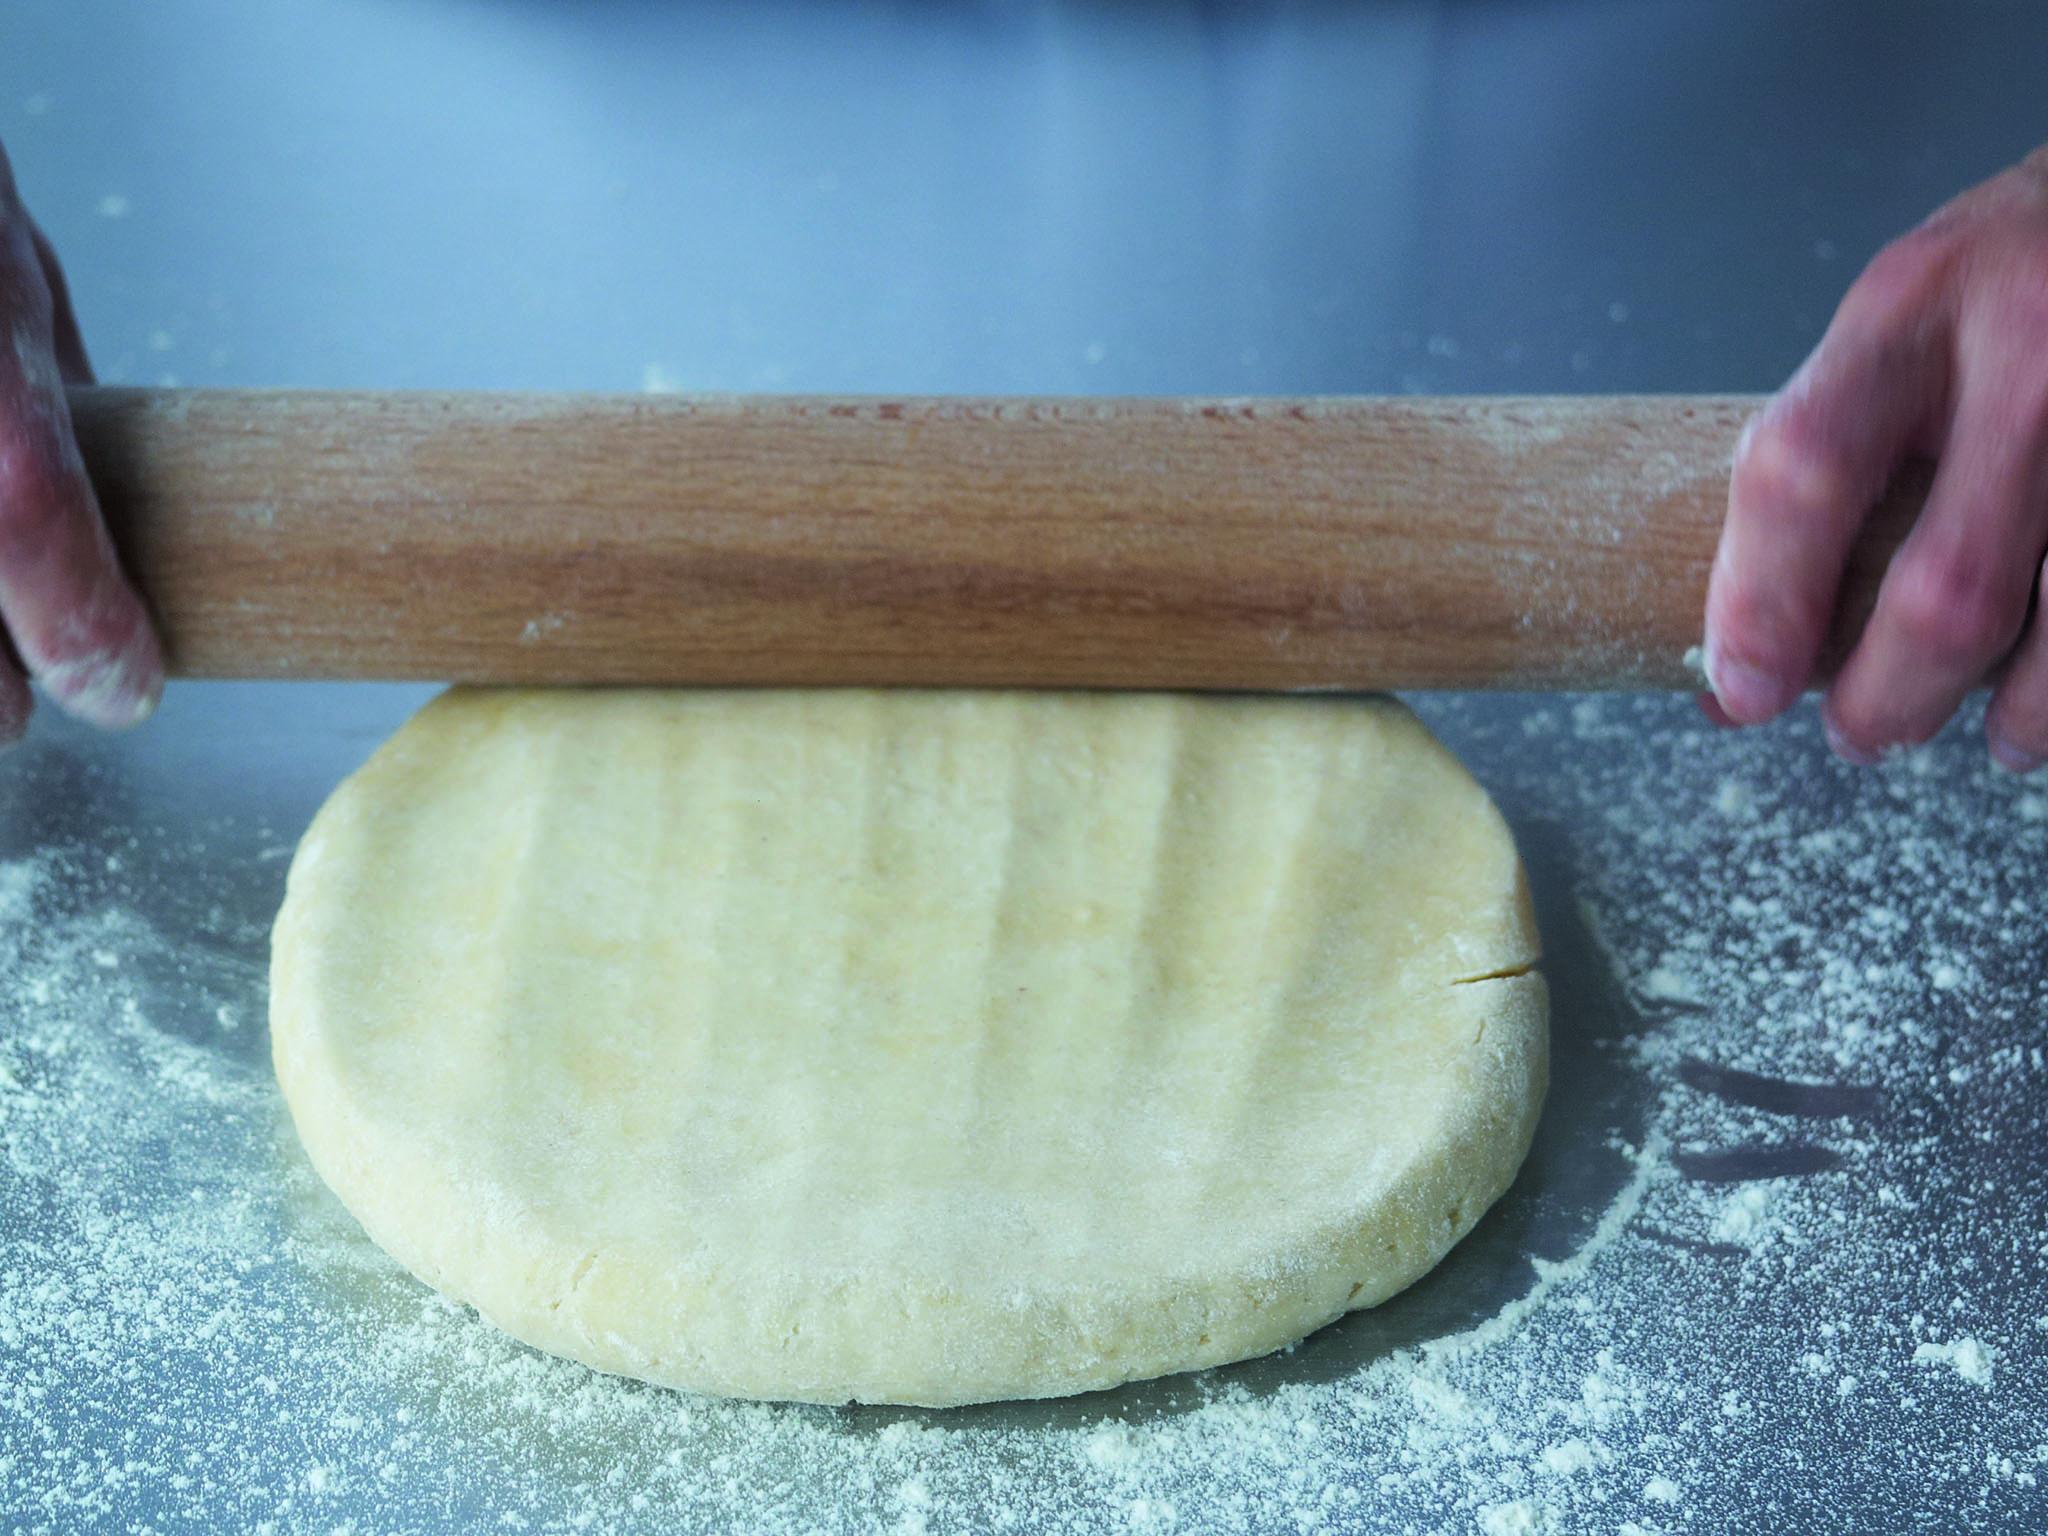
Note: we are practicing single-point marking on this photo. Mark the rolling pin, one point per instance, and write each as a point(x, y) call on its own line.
point(1301, 544)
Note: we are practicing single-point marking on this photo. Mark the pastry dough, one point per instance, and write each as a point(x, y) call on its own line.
point(921, 1048)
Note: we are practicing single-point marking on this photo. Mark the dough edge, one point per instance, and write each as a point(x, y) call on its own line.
point(1054, 1343)
point(565, 1301)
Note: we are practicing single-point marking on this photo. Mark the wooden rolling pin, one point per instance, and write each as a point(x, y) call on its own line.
point(1269, 544)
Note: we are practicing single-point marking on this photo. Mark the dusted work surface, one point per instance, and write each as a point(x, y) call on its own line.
point(1714, 1301)
point(1776, 1260)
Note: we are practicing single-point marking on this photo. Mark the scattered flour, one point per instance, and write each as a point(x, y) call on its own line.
point(1972, 1361)
point(18, 882)
point(1517, 1517)
point(1732, 798)
point(541, 626)
point(1666, 983)
point(1568, 1457)
point(1788, 1181)
point(1744, 1216)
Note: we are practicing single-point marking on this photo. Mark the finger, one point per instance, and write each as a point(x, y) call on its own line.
point(15, 701)
point(2016, 724)
point(76, 623)
point(67, 340)
point(1807, 472)
point(1955, 597)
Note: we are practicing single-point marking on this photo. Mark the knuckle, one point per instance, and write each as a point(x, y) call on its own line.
point(1955, 608)
point(2006, 316)
point(2003, 419)
point(1789, 468)
point(1905, 276)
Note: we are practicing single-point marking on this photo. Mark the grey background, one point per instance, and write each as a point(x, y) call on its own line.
point(1002, 196)
point(1104, 198)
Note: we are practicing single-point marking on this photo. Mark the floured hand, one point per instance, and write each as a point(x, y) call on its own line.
point(1939, 349)
point(69, 618)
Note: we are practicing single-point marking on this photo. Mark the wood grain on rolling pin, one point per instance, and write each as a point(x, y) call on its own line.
point(1273, 544)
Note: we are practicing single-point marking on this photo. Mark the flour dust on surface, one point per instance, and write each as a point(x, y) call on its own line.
point(1777, 1261)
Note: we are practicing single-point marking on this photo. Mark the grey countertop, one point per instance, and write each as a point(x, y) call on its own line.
point(1779, 1259)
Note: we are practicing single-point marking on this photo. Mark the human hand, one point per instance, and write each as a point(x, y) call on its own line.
point(1939, 349)
point(74, 622)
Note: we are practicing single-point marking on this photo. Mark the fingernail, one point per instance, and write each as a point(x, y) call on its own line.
point(1847, 750)
point(1746, 692)
point(142, 705)
point(104, 691)
point(2012, 758)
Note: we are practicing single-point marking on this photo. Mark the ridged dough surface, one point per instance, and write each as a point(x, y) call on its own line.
point(898, 1047)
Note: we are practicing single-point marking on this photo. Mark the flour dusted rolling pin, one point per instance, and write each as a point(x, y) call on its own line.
point(1269, 543)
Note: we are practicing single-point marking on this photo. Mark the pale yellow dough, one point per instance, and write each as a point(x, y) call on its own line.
point(922, 1048)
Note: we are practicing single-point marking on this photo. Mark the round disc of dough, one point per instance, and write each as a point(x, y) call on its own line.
point(918, 1048)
